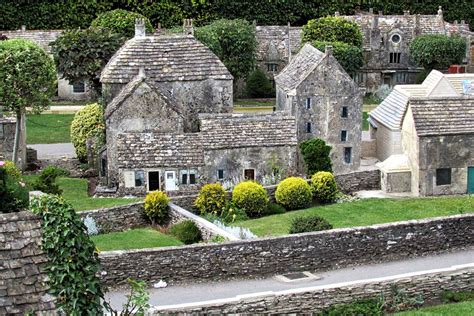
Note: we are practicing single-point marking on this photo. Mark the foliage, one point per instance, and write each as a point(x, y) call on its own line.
point(46, 182)
point(258, 85)
point(11, 169)
point(73, 262)
point(211, 199)
point(333, 29)
point(273, 208)
point(233, 41)
point(88, 123)
point(383, 91)
point(231, 213)
point(137, 300)
point(293, 193)
point(3, 37)
point(372, 307)
point(315, 154)
point(80, 54)
point(312, 223)
point(435, 51)
point(324, 186)
point(401, 300)
point(156, 206)
point(187, 232)
point(121, 22)
point(91, 226)
point(251, 197)
point(348, 56)
point(13, 193)
point(457, 296)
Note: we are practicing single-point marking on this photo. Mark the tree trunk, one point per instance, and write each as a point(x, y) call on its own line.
point(16, 145)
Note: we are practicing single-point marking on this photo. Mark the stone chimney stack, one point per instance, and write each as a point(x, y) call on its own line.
point(188, 28)
point(380, 13)
point(337, 13)
point(140, 30)
point(371, 10)
point(23, 28)
point(141, 72)
point(328, 50)
point(440, 13)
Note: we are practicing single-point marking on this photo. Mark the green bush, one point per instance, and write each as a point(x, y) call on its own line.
point(251, 197)
point(369, 307)
point(315, 154)
point(348, 56)
point(312, 223)
point(13, 193)
point(187, 232)
point(231, 213)
point(258, 85)
point(88, 123)
point(457, 296)
point(324, 186)
point(274, 209)
point(121, 21)
point(156, 207)
point(293, 193)
point(46, 182)
point(333, 29)
point(211, 199)
point(437, 51)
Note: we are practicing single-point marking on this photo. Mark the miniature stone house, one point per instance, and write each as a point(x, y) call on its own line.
point(326, 103)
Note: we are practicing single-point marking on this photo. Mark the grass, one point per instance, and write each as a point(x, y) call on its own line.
point(364, 212)
point(254, 102)
point(134, 239)
point(371, 99)
point(456, 309)
point(365, 123)
point(48, 128)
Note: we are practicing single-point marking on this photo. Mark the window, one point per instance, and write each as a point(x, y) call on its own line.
point(220, 174)
point(343, 136)
point(272, 67)
point(396, 38)
point(139, 178)
point(308, 127)
point(188, 176)
point(443, 176)
point(184, 178)
point(348, 154)
point(344, 112)
point(401, 77)
point(308, 103)
point(192, 177)
point(249, 174)
point(79, 87)
point(395, 58)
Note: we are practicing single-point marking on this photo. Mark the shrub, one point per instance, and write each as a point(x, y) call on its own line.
point(372, 307)
point(87, 123)
point(251, 197)
point(231, 213)
point(437, 51)
point(383, 91)
point(333, 29)
point(156, 206)
point(258, 85)
point(211, 199)
point(46, 182)
point(348, 56)
point(457, 296)
point(274, 209)
point(121, 21)
point(13, 193)
point(316, 155)
point(324, 186)
point(312, 223)
point(12, 170)
point(293, 193)
point(187, 232)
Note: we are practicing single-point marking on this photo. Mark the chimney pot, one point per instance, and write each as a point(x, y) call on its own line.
point(328, 50)
point(337, 13)
point(440, 11)
point(140, 28)
point(23, 28)
point(188, 28)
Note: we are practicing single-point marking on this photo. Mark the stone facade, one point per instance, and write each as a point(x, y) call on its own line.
point(315, 251)
point(22, 287)
point(326, 103)
point(7, 140)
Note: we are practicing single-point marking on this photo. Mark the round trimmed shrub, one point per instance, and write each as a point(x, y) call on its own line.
point(211, 199)
point(313, 223)
point(87, 123)
point(121, 21)
point(251, 197)
point(187, 232)
point(293, 193)
point(324, 186)
point(156, 206)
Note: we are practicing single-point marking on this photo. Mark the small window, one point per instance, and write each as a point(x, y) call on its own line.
point(343, 136)
point(184, 178)
point(348, 154)
point(443, 176)
point(79, 87)
point(401, 77)
point(344, 112)
point(308, 103)
point(249, 174)
point(139, 178)
point(220, 174)
point(308, 127)
point(396, 38)
point(272, 67)
point(188, 176)
point(192, 177)
point(395, 58)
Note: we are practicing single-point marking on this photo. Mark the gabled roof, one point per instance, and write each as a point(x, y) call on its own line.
point(271, 37)
point(165, 58)
point(300, 67)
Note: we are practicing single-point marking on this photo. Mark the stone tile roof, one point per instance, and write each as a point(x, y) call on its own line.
point(239, 130)
point(41, 37)
point(275, 37)
point(165, 58)
point(299, 68)
point(148, 150)
point(391, 111)
point(443, 116)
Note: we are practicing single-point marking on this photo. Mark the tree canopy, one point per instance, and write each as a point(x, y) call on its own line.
point(349, 57)
point(121, 22)
point(437, 51)
point(315, 154)
point(333, 29)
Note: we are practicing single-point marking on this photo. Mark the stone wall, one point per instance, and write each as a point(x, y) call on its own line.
point(22, 278)
point(313, 300)
point(359, 181)
point(301, 252)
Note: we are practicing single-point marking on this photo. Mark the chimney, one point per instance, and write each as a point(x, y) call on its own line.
point(371, 10)
point(407, 12)
point(375, 22)
point(140, 28)
point(328, 50)
point(23, 28)
point(380, 13)
point(141, 72)
point(188, 28)
point(440, 12)
point(337, 13)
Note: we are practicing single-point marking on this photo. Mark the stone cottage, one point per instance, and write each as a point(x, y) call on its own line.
point(326, 103)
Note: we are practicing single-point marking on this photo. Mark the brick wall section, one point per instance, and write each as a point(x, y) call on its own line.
point(21, 265)
point(313, 300)
point(302, 252)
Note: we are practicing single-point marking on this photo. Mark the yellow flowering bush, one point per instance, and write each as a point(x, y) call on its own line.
point(211, 199)
point(251, 197)
point(156, 206)
point(293, 193)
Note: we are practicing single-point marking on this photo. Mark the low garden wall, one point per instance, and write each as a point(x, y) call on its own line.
point(301, 252)
point(21, 265)
point(313, 300)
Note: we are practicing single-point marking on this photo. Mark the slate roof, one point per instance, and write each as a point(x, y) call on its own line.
point(41, 37)
point(300, 67)
point(221, 131)
point(165, 58)
point(443, 116)
point(148, 150)
point(271, 37)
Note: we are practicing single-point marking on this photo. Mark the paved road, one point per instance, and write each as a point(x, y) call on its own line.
point(54, 151)
point(211, 291)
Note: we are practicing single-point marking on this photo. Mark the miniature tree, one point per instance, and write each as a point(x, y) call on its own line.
point(315, 154)
point(437, 51)
point(121, 22)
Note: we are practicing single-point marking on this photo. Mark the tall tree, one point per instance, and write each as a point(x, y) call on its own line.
point(27, 79)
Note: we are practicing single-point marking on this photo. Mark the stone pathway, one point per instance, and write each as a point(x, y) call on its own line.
point(54, 151)
point(379, 194)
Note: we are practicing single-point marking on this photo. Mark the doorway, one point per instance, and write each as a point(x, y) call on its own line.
point(153, 180)
point(170, 180)
point(249, 174)
point(470, 180)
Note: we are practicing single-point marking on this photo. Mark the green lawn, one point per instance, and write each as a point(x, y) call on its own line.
point(456, 309)
point(134, 239)
point(364, 212)
point(48, 128)
point(254, 102)
point(371, 99)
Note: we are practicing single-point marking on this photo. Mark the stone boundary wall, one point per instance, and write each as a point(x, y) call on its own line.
point(314, 251)
point(313, 300)
point(22, 278)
